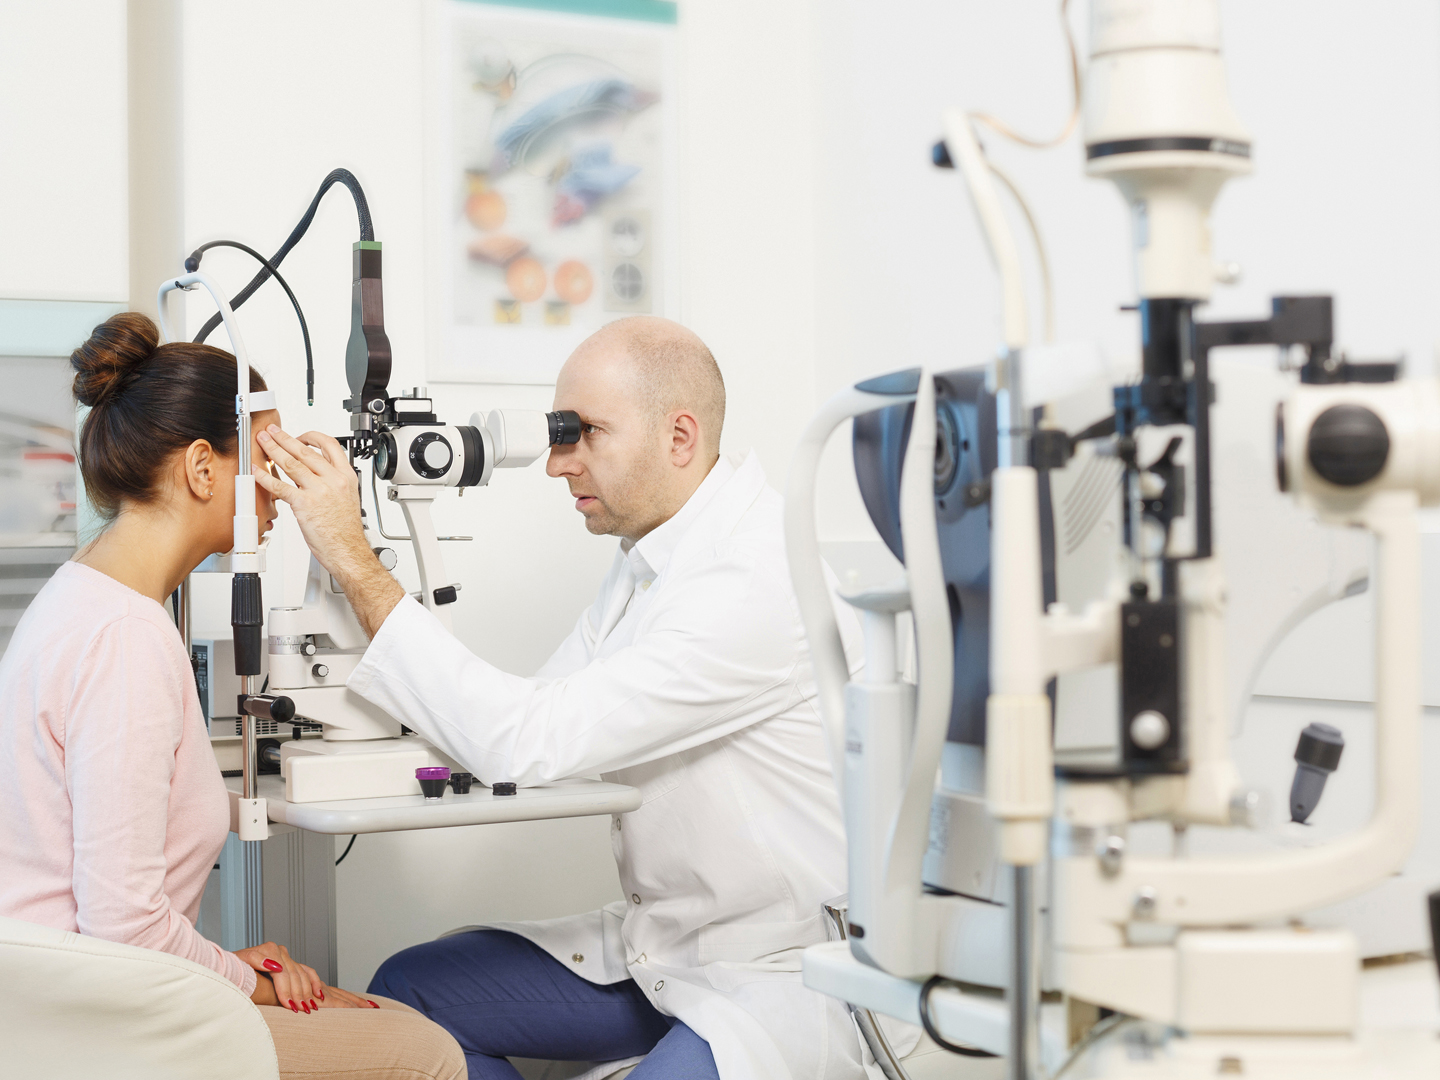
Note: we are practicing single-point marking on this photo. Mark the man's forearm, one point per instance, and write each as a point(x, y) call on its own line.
point(371, 589)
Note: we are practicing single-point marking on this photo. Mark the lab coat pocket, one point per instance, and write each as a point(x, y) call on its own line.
point(654, 778)
point(768, 945)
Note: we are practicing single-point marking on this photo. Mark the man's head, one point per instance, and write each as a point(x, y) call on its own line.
point(652, 403)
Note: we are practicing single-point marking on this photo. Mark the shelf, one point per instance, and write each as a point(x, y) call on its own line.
point(565, 798)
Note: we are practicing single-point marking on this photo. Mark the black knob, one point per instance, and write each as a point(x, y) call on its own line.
point(504, 787)
point(1348, 445)
point(460, 782)
point(1316, 756)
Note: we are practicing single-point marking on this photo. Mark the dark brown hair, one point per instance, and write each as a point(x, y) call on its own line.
point(147, 401)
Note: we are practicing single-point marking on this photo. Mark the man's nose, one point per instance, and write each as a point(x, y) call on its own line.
point(562, 461)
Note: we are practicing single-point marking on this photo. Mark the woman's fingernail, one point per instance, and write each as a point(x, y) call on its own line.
point(372, 1004)
point(293, 1006)
point(271, 965)
point(322, 995)
point(306, 1006)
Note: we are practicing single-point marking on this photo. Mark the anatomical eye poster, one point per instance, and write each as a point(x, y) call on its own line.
point(550, 183)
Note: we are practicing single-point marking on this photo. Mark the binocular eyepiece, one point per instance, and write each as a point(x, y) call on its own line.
point(464, 455)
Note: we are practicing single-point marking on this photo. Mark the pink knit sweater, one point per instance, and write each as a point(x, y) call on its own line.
point(112, 809)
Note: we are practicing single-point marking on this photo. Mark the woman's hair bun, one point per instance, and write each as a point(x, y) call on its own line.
point(116, 349)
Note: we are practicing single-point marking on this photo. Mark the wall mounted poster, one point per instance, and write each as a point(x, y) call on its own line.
point(551, 179)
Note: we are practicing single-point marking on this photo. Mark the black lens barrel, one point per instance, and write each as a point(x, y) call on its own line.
point(564, 427)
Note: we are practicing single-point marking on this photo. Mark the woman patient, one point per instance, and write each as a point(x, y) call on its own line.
point(112, 808)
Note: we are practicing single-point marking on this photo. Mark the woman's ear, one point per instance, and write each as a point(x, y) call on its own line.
point(202, 469)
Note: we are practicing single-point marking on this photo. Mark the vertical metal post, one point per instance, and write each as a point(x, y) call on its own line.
point(155, 104)
point(182, 617)
point(1011, 422)
point(248, 779)
point(1024, 1053)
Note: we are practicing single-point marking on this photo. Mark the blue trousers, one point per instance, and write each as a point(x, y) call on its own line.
point(502, 996)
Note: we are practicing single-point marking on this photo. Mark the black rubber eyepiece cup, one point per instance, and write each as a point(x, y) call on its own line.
point(505, 787)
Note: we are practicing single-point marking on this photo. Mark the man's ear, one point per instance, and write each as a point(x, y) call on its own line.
point(684, 439)
point(202, 468)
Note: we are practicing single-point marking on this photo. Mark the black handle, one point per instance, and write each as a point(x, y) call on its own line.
point(267, 707)
point(247, 617)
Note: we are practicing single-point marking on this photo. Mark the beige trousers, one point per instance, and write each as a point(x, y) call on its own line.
point(392, 1043)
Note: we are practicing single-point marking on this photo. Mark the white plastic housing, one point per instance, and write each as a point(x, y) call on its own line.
point(445, 454)
point(1155, 71)
point(520, 436)
point(1411, 412)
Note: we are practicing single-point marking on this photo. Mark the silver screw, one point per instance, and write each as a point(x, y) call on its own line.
point(1248, 809)
point(1112, 855)
point(1146, 900)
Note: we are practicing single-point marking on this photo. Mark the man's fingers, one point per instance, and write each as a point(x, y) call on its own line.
point(289, 453)
point(328, 446)
point(275, 486)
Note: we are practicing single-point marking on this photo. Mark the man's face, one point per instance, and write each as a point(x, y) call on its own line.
point(617, 472)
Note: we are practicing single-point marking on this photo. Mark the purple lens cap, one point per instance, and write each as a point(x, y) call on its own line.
point(433, 772)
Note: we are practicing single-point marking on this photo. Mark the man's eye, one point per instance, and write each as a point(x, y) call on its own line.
point(589, 429)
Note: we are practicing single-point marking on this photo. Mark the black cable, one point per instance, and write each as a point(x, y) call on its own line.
point(193, 263)
point(347, 849)
point(1098, 430)
point(367, 232)
point(933, 1032)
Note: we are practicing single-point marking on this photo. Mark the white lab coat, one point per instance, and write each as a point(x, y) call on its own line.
point(688, 678)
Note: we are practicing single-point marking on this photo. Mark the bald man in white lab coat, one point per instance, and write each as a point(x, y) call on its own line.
point(688, 678)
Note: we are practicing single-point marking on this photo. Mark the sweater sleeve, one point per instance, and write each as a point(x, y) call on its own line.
point(122, 728)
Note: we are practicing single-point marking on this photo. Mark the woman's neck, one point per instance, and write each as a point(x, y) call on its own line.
point(148, 552)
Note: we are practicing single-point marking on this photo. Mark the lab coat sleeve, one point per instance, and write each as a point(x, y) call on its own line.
point(720, 651)
point(122, 728)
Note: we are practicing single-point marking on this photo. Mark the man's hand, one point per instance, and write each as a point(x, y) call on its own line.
point(326, 501)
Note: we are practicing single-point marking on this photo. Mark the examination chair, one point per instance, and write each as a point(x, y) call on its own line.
point(73, 1006)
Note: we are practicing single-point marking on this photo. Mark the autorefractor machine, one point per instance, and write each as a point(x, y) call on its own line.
point(1012, 873)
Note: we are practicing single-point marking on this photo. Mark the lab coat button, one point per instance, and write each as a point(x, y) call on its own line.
point(644, 585)
point(579, 958)
point(660, 986)
point(634, 897)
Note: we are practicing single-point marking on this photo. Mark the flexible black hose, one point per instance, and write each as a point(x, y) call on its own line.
point(193, 263)
point(367, 232)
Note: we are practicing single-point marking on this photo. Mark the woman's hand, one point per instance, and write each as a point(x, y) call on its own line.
point(294, 985)
point(335, 998)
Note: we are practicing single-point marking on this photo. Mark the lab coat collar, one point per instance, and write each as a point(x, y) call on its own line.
point(726, 483)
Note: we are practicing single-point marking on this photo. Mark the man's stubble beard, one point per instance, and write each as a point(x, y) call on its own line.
point(632, 502)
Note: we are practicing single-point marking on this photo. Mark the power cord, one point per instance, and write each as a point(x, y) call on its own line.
point(367, 232)
point(347, 849)
point(193, 263)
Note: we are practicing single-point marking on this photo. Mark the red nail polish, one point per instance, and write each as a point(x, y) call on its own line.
point(306, 1006)
point(293, 1006)
point(322, 995)
point(271, 965)
point(372, 1004)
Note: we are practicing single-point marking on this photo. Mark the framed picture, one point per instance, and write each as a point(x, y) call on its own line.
point(551, 145)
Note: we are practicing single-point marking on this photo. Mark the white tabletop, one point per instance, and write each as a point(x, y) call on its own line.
point(566, 798)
